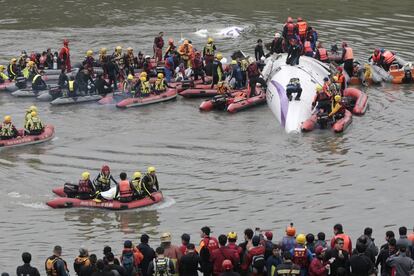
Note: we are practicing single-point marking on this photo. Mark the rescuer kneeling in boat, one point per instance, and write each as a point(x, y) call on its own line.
point(223, 88)
point(149, 183)
point(125, 189)
point(160, 84)
point(338, 109)
point(8, 130)
point(144, 87)
point(38, 83)
point(322, 100)
point(294, 87)
point(86, 190)
point(136, 183)
point(34, 126)
point(103, 180)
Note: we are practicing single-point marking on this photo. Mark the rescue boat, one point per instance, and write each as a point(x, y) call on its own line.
point(169, 94)
point(24, 140)
point(323, 122)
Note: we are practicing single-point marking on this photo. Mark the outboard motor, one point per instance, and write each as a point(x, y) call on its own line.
point(219, 102)
point(71, 190)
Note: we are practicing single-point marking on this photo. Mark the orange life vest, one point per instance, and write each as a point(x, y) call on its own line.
point(323, 54)
point(125, 189)
point(307, 47)
point(349, 54)
point(347, 242)
point(302, 26)
point(388, 57)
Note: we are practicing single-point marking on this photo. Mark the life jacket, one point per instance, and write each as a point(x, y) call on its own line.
point(3, 76)
point(137, 184)
point(64, 51)
point(10, 69)
point(185, 51)
point(290, 29)
point(302, 26)
point(145, 87)
point(307, 47)
point(349, 54)
point(341, 81)
point(6, 130)
point(346, 239)
point(253, 70)
point(82, 261)
point(323, 54)
point(71, 84)
point(222, 89)
point(376, 58)
point(35, 78)
point(83, 186)
point(152, 180)
point(130, 59)
point(160, 85)
point(209, 49)
point(161, 266)
point(388, 57)
point(125, 189)
point(35, 123)
point(300, 257)
point(50, 266)
point(210, 243)
point(26, 72)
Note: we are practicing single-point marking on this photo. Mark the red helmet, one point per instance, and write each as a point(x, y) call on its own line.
point(289, 20)
point(105, 168)
point(376, 51)
point(300, 19)
point(340, 69)
point(66, 42)
point(227, 265)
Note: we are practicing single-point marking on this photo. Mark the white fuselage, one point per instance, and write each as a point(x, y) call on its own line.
point(310, 72)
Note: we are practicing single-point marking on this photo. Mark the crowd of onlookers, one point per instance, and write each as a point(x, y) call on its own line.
point(257, 255)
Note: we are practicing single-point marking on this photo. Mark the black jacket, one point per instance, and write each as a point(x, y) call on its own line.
point(27, 270)
point(189, 264)
point(149, 255)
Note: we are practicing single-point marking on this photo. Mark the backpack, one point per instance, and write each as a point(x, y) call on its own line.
point(128, 263)
point(162, 267)
point(258, 264)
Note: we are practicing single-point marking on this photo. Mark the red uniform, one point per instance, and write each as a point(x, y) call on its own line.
point(64, 56)
point(219, 255)
point(254, 251)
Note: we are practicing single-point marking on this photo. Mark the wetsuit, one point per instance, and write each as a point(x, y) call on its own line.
point(102, 86)
point(38, 83)
point(217, 72)
point(258, 52)
point(149, 184)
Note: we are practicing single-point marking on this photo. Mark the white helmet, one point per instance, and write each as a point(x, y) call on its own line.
point(277, 35)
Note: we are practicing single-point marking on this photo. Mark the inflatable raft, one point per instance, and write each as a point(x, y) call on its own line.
point(168, 95)
point(65, 202)
point(199, 91)
point(356, 101)
point(13, 86)
point(323, 122)
point(23, 140)
point(5, 84)
point(76, 100)
point(29, 93)
point(114, 98)
point(236, 102)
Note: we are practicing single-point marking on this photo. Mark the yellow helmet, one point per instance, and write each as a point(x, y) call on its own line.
point(30, 63)
point(151, 169)
point(186, 42)
point(85, 175)
point(13, 60)
point(301, 239)
point(233, 62)
point(33, 114)
point(136, 175)
point(118, 48)
point(89, 53)
point(232, 235)
point(338, 98)
point(2, 68)
point(130, 77)
point(7, 119)
point(143, 79)
point(219, 56)
point(143, 74)
point(102, 51)
point(335, 78)
point(210, 40)
point(165, 237)
point(33, 108)
point(319, 88)
point(160, 75)
point(129, 49)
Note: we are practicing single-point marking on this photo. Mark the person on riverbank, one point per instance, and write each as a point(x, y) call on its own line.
point(339, 233)
point(55, 265)
point(318, 266)
point(289, 241)
point(190, 262)
point(131, 258)
point(81, 261)
point(170, 250)
point(222, 253)
point(161, 265)
point(301, 254)
point(26, 269)
point(147, 252)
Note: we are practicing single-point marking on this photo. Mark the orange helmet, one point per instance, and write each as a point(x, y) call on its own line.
point(291, 231)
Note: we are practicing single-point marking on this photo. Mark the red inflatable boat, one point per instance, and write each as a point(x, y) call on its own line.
point(24, 140)
point(358, 100)
point(168, 95)
point(235, 103)
point(339, 126)
point(67, 202)
point(190, 84)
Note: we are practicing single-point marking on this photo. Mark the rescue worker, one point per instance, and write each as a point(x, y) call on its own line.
point(223, 253)
point(290, 30)
point(289, 241)
point(158, 45)
point(375, 57)
point(186, 53)
point(348, 58)
point(55, 265)
point(89, 62)
point(103, 180)
point(287, 268)
point(232, 239)
point(253, 74)
point(169, 66)
point(294, 87)
point(83, 79)
point(149, 67)
point(236, 74)
point(72, 87)
point(207, 245)
point(258, 50)
point(7, 129)
point(21, 62)
point(12, 69)
point(3, 77)
point(81, 261)
point(160, 85)
point(101, 85)
point(136, 183)
point(217, 69)
point(322, 100)
point(341, 81)
point(161, 265)
point(338, 112)
point(408, 78)
point(118, 59)
point(209, 51)
point(63, 81)
point(150, 183)
point(223, 89)
point(34, 126)
point(254, 261)
point(112, 70)
point(294, 52)
point(144, 87)
point(103, 60)
point(124, 189)
point(312, 36)
point(198, 67)
point(140, 60)
point(301, 255)
point(28, 115)
point(387, 58)
point(321, 53)
point(170, 250)
point(64, 56)
point(277, 44)
point(86, 190)
point(170, 49)
point(129, 85)
point(130, 61)
point(38, 84)
point(302, 29)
